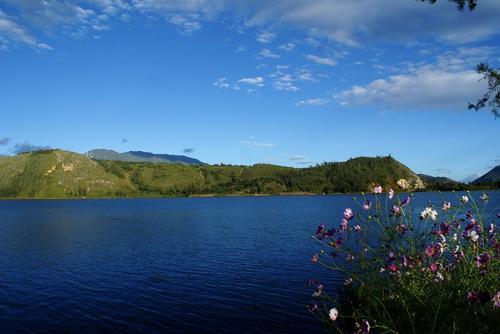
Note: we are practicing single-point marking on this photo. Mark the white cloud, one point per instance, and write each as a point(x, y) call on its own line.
point(221, 83)
point(188, 24)
point(240, 49)
point(312, 102)
point(427, 88)
point(351, 23)
point(253, 143)
point(266, 37)
point(257, 81)
point(321, 60)
point(306, 75)
point(266, 53)
point(11, 32)
point(287, 46)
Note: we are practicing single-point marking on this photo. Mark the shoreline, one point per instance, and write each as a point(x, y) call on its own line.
point(291, 194)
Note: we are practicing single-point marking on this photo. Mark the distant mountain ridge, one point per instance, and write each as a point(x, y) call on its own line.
point(140, 156)
point(492, 176)
point(441, 182)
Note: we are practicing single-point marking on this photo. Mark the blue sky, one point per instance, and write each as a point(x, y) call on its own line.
point(286, 82)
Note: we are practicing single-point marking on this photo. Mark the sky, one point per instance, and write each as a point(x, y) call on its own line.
point(288, 82)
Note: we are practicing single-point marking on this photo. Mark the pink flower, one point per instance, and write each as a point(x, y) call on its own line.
point(377, 190)
point(433, 267)
point(432, 250)
point(390, 194)
point(343, 224)
point(367, 205)
point(314, 258)
point(496, 299)
point(348, 214)
point(396, 210)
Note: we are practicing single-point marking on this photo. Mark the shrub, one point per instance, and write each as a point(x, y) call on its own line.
point(436, 272)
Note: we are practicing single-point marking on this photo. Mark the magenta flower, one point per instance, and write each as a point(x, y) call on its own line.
point(433, 267)
point(393, 267)
point(432, 250)
point(482, 260)
point(444, 228)
point(367, 205)
point(364, 328)
point(472, 297)
point(348, 214)
point(405, 261)
point(496, 300)
point(406, 201)
point(396, 209)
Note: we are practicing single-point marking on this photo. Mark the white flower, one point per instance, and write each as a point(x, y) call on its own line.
point(348, 281)
point(474, 236)
point(464, 199)
point(377, 190)
point(333, 314)
point(429, 213)
point(439, 277)
point(484, 197)
point(446, 206)
point(455, 237)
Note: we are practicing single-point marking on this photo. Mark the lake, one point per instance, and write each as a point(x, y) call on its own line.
point(182, 265)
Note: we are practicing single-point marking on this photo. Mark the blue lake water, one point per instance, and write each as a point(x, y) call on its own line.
point(199, 265)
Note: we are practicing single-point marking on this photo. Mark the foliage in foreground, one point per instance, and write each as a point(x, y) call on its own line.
point(436, 274)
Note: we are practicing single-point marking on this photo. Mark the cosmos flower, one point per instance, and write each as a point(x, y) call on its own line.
point(406, 201)
point(367, 205)
point(432, 250)
point(433, 267)
point(484, 197)
point(396, 209)
point(390, 193)
point(315, 258)
point(482, 260)
point(364, 328)
point(444, 228)
point(348, 281)
point(343, 224)
point(333, 314)
point(496, 300)
point(377, 190)
point(348, 214)
point(429, 213)
point(464, 199)
point(318, 291)
point(446, 206)
point(357, 228)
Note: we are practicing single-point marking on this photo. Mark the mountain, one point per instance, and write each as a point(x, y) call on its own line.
point(140, 156)
point(441, 183)
point(62, 174)
point(57, 174)
point(492, 176)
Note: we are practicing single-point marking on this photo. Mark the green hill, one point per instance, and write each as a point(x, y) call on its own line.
point(62, 174)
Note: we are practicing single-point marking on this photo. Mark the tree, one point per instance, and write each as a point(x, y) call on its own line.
point(492, 76)
point(471, 4)
point(492, 95)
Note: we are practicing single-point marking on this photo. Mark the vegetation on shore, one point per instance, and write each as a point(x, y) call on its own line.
point(436, 274)
point(63, 174)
